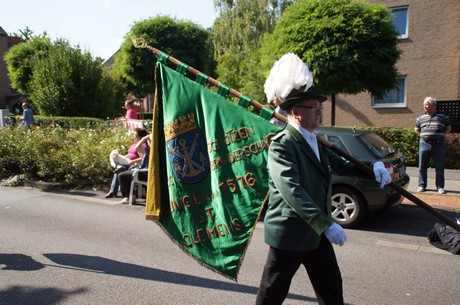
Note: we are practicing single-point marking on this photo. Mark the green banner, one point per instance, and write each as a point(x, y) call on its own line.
point(209, 180)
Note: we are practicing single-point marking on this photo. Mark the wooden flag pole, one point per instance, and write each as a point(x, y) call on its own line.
point(140, 43)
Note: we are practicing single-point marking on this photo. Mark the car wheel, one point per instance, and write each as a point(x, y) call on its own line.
point(348, 207)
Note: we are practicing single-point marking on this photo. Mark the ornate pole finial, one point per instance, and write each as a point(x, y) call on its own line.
point(139, 42)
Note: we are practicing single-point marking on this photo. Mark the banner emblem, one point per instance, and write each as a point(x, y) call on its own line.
point(186, 149)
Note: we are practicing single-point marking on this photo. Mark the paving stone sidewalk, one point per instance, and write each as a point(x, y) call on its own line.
point(450, 201)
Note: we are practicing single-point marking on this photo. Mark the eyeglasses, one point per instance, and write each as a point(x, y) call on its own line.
point(317, 109)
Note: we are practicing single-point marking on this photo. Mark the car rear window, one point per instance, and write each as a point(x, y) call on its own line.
point(337, 143)
point(377, 145)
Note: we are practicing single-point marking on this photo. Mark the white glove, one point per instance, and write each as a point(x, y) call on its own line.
point(336, 234)
point(381, 174)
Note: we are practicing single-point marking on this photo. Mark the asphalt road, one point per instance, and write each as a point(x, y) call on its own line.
point(60, 249)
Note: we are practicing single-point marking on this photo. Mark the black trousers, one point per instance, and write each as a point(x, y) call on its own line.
point(125, 179)
point(322, 268)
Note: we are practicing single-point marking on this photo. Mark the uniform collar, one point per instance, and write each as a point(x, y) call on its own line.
point(305, 133)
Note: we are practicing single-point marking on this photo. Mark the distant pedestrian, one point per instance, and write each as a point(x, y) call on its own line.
point(131, 113)
point(27, 115)
point(432, 128)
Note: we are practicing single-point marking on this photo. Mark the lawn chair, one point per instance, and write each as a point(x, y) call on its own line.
point(139, 183)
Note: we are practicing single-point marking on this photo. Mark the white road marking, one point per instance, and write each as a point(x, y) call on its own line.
point(410, 247)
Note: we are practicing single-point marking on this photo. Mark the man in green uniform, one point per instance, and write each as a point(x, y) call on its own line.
point(298, 226)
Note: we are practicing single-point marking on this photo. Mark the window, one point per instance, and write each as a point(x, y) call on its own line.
point(400, 21)
point(394, 98)
point(337, 143)
point(378, 146)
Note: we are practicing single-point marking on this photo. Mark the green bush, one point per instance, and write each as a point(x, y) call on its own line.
point(77, 157)
point(406, 141)
point(453, 151)
point(64, 80)
point(68, 122)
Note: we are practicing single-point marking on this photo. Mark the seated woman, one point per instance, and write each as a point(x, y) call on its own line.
point(125, 178)
point(133, 156)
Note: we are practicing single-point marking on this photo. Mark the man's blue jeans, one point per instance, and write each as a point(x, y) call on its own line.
point(437, 151)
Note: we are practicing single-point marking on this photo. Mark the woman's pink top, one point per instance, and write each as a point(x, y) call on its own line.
point(131, 114)
point(132, 153)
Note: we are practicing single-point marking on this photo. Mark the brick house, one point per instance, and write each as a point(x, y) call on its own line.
point(429, 66)
point(8, 96)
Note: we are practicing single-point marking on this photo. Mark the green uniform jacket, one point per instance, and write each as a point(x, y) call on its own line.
point(299, 206)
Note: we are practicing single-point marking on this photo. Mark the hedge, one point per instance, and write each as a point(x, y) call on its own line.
point(77, 157)
point(66, 122)
point(58, 151)
point(406, 141)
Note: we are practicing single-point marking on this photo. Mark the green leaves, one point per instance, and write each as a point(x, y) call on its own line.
point(184, 40)
point(54, 154)
point(63, 80)
point(349, 45)
point(21, 58)
point(237, 35)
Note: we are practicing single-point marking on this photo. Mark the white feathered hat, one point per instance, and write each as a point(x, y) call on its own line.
point(290, 81)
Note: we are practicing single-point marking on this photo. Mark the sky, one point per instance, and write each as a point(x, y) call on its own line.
point(97, 26)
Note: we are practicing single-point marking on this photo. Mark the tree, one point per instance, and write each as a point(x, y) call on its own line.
point(184, 40)
point(242, 23)
point(27, 33)
point(349, 46)
point(63, 80)
point(68, 82)
point(20, 60)
point(237, 37)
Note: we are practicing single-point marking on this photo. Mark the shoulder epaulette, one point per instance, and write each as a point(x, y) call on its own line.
point(278, 136)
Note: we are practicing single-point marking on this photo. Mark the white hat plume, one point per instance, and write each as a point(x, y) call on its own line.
point(288, 73)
